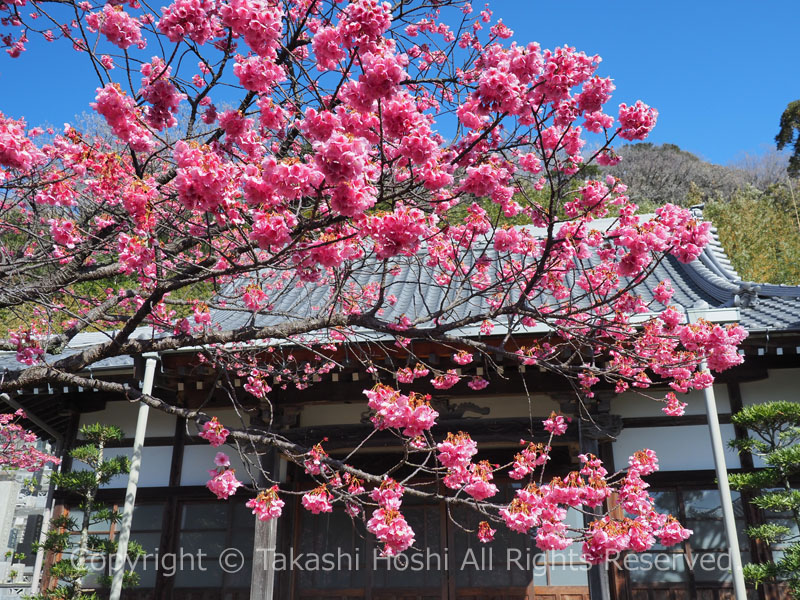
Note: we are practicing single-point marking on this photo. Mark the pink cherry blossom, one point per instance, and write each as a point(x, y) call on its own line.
point(64, 232)
point(223, 483)
point(462, 357)
point(318, 500)
point(189, 18)
point(673, 533)
point(119, 27)
point(485, 532)
point(161, 93)
point(533, 456)
point(28, 346)
point(119, 111)
point(636, 121)
point(556, 424)
point(327, 46)
point(204, 179)
point(18, 445)
point(257, 74)
point(391, 528)
point(457, 450)
point(674, 407)
point(257, 21)
point(16, 150)
point(314, 464)
point(446, 380)
point(477, 383)
point(389, 494)
point(267, 505)
point(364, 21)
point(479, 485)
point(644, 462)
point(214, 433)
point(257, 386)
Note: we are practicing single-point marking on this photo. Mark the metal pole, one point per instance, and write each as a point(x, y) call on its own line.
point(717, 448)
point(133, 482)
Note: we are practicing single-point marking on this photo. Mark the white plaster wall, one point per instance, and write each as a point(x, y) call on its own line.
point(123, 415)
point(199, 459)
point(781, 384)
point(154, 471)
point(682, 448)
point(631, 404)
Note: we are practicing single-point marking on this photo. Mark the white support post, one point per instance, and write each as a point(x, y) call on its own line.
point(120, 559)
point(262, 580)
point(718, 450)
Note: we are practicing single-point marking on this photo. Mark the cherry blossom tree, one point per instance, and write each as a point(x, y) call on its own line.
point(349, 154)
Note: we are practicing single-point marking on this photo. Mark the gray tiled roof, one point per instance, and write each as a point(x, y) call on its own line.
point(86, 339)
point(710, 279)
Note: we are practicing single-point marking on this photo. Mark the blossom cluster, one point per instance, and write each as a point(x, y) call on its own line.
point(28, 345)
point(318, 500)
point(267, 505)
point(223, 483)
point(412, 413)
point(120, 112)
point(118, 26)
point(387, 523)
point(189, 18)
point(17, 151)
point(214, 432)
point(161, 93)
point(18, 445)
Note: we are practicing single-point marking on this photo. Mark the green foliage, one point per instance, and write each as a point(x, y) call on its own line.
point(752, 481)
point(776, 430)
point(22, 315)
point(763, 419)
point(768, 533)
point(760, 573)
point(69, 539)
point(787, 136)
point(760, 231)
point(752, 203)
point(780, 501)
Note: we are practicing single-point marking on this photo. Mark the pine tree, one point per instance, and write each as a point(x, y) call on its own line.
point(74, 557)
point(775, 438)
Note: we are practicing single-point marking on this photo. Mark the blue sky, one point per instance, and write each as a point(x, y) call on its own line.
point(720, 73)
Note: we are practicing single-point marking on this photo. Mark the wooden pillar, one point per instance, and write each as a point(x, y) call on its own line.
point(171, 521)
point(599, 588)
point(265, 540)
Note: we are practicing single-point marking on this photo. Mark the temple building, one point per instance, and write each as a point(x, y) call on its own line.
point(234, 557)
